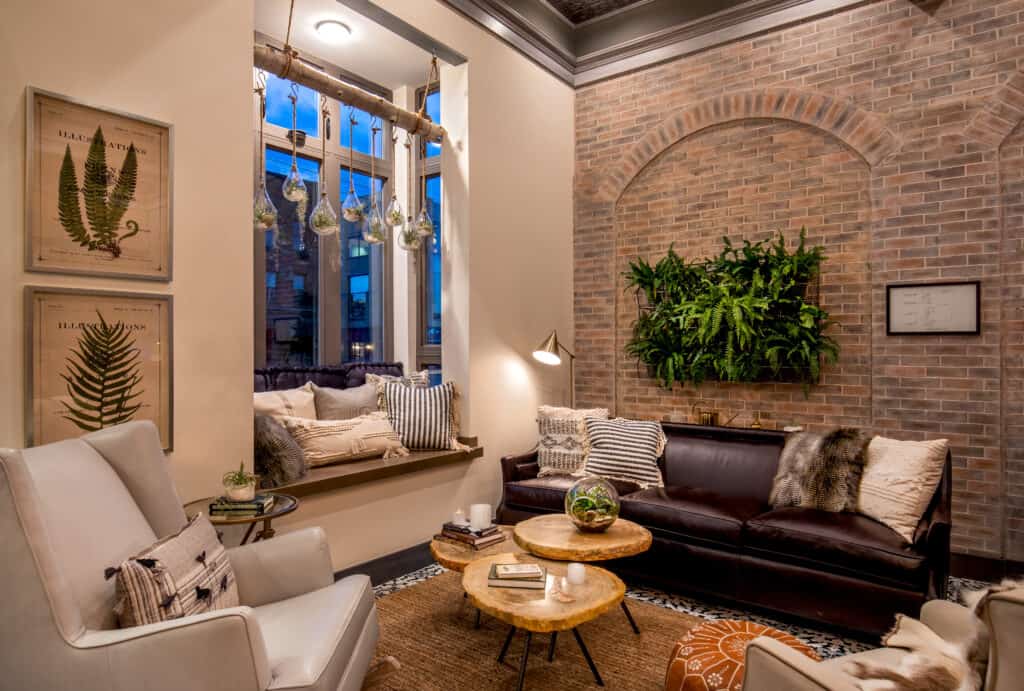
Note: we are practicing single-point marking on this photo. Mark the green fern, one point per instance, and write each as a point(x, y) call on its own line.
point(102, 377)
point(103, 212)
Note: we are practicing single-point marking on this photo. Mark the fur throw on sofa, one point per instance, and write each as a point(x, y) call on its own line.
point(821, 471)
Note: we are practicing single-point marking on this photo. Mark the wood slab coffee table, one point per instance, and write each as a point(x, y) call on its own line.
point(543, 611)
point(554, 536)
point(454, 556)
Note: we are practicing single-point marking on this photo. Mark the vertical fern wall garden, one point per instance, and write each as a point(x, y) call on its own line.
point(98, 191)
point(746, 315)
point(96, 359)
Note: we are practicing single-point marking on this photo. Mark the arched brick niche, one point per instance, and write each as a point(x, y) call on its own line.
point(752, 178)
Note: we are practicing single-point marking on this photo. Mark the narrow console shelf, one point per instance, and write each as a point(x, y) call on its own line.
point(331, 477)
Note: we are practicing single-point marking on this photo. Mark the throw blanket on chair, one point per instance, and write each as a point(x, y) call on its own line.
point(821, 471)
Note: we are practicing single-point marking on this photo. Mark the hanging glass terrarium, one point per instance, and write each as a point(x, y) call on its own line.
point(264, 213)
point(424, 226)
point(375, 230)
point(409, 240)
point(394, 216)
point(323, 220)
point(352, 209)
point(294, 187)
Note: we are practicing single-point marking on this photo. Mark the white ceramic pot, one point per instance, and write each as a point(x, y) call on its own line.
point(241, 492)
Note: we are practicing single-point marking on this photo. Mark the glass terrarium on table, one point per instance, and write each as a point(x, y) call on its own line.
point(592, 504)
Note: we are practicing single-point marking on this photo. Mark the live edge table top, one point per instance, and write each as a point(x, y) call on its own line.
point(455, 556)
point(555, 537)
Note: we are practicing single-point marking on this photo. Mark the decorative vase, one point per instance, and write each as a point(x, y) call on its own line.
point(246, 492)
point(592, 504)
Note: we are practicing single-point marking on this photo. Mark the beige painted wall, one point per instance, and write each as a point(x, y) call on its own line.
point(189, 63)
point(507, 179)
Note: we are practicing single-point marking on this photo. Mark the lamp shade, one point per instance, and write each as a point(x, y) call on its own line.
point(547, 352)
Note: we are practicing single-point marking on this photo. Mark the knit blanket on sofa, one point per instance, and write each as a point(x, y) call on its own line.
point(821, 470)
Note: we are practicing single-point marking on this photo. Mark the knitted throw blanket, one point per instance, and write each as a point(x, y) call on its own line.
point(821, 470)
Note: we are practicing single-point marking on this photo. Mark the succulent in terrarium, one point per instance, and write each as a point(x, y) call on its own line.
point(592, 504)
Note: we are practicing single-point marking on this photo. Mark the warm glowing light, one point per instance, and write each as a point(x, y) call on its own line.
point(546, 357)
point(333, 31)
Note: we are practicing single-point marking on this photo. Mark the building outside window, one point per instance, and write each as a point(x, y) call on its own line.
point(429, 327)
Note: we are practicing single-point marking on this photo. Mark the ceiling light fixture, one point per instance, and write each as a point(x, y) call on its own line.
point(333, 31)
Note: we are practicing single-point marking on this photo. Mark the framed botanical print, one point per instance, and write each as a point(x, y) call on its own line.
point(96, 359)
point(98, 191)
point(933, 309)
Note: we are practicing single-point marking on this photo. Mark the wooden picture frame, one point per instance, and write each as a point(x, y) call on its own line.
point(69, 331)
point(112, 217)
point(933, 309)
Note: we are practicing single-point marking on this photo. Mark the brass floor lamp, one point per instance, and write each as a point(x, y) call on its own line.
point(548, 353)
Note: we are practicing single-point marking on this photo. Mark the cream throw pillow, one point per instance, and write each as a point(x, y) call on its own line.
point(331, 441)
point(298, 402)
point(562, 444)
point(899, 480)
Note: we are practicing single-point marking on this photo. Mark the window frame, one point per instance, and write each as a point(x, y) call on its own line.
point(329, 294)
point(426, 353)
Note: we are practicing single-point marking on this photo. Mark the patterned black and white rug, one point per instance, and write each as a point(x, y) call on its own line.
point(826, 644)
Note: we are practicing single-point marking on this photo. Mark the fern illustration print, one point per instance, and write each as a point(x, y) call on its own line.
point(103, 209)
point(102, 376)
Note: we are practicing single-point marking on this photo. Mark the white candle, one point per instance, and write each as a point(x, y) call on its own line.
point(576, 573)
point(479, 516)
point(459, 517)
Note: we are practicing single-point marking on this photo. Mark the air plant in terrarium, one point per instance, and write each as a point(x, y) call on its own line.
point(375, 230)
point(408, 239)
point(424, 226)
point(394, 215)
point(323, 220)
point(294, 188)
point(264, 213)
point(352, 209)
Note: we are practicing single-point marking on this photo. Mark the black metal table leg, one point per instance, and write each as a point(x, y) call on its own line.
point(477, 624)
point(522, 664)
point(629, 616)
point(508, 641)
point(586, 656)
point(551, 648)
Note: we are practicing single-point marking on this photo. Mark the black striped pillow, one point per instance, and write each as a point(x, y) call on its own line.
point(625, 450)
point(424, 418)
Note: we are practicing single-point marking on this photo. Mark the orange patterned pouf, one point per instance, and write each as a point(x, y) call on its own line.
point(710, 656)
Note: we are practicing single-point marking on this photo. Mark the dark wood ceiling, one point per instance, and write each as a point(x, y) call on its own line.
point(577, 11)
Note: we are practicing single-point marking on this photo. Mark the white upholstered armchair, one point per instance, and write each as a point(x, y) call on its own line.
point(69, 510)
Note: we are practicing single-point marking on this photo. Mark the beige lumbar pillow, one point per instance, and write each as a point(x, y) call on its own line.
point(332, 441)
point(298, 402)
point(562, 445)
point(899, 480)
point(345, 404)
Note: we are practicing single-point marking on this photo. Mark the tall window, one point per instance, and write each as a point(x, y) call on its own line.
point(429, 168)
point(320, 300)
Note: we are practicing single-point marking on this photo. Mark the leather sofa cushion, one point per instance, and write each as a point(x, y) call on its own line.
point(692, 513)
point(849, 542)
point(548, 493)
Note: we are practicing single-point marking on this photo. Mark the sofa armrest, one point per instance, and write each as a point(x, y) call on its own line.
point(286, 566)
point(933, 534)
point(772, 665)
point(519, 467)
point(186, 653)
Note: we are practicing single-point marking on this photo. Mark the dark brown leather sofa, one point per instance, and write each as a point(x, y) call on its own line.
point(716, 534)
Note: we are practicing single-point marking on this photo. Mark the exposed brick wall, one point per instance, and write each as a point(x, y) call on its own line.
point(891, 131)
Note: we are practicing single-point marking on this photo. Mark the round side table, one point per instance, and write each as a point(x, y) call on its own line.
point(284, 504)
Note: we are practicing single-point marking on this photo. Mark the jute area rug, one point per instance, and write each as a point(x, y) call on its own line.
point(428, 627)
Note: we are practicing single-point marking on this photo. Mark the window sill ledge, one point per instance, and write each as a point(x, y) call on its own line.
point(332, 477)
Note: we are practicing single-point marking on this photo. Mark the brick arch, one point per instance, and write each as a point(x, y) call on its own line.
point(864, 132)
point(1000, 115)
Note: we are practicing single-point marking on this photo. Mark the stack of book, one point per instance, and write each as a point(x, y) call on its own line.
point(477, 539)
point(529, 576)
point(257, 506)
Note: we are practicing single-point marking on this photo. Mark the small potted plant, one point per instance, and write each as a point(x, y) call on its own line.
point(240, 485)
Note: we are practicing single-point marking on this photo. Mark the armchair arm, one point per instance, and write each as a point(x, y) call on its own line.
point(286, 566)
point(772, 665)
point(519, 467)
point(952, 622)
point(187, 653)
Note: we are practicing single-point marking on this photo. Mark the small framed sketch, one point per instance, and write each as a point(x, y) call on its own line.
point(96, 359)
point(98, 191)
point(921, 309)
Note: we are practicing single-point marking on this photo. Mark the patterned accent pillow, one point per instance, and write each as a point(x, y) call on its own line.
point(417, 380)
point(292, 402)
point(278, 458)
point(424, 418)
point(562, 445)
point(181, 575)
point(344, 404)
point(331, 441)
point(623, 449)
point(899, 480)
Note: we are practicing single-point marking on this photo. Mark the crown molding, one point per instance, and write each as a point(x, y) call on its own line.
point(674, 40)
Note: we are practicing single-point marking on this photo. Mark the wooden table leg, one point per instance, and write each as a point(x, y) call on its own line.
point(267, 532)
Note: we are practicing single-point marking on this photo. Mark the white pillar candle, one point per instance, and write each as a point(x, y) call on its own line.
point(459, 517)
point(479, 516)
point(576, 573)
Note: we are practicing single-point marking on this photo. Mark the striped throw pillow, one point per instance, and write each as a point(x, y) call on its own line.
point(625, 450)
point(424, 418)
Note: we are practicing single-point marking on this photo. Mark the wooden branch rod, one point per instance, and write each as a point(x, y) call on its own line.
point(272, 60)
